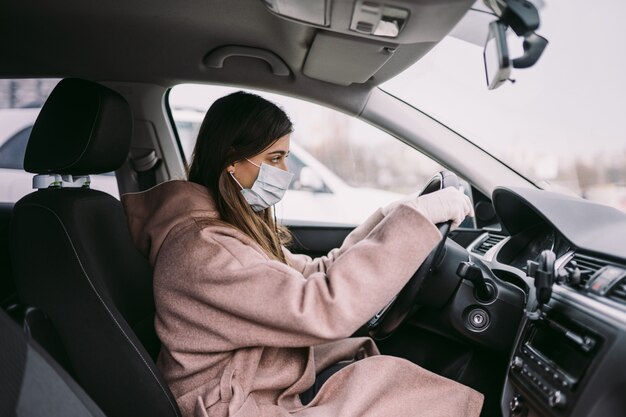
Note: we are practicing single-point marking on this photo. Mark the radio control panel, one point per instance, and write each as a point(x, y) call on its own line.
point(548, 383)
point(550, 362)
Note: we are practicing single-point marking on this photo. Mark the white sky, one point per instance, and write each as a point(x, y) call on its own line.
point(571, 103)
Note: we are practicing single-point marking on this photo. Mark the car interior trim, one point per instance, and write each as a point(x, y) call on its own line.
point(565, 213)
point(216, 58)
point(490, 254)
point(593, 303)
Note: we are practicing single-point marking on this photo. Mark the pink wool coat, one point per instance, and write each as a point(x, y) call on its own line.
point(243, 335)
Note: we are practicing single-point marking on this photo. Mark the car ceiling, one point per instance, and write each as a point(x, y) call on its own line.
point(164, 42)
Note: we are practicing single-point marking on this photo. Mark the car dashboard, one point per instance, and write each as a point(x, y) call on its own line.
point(567, 359)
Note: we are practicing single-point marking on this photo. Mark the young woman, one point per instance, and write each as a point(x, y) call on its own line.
point(247, 326)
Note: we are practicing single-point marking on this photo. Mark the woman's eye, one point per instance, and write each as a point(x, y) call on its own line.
point(278, 158)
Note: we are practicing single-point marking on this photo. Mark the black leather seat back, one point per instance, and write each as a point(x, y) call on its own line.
point(74, 259)
point(7, 286)
point(32, 383)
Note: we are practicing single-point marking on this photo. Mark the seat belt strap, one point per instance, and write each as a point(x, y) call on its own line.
point(146, 167)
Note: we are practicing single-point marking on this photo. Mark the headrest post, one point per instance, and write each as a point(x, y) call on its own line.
point(61, 181)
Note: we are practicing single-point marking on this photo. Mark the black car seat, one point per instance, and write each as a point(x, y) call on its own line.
point(34, 385)
point(73, 257)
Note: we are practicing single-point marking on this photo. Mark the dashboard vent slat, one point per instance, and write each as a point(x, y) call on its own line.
point(487, 244)
point(588, 267)
point(597, 275)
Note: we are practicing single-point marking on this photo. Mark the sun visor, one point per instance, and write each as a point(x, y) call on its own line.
point(344, 60)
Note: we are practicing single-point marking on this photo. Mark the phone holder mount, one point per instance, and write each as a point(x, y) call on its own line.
point(546, 274)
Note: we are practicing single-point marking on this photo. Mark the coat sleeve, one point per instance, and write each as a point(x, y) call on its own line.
point(236, 297)
point(306, 265)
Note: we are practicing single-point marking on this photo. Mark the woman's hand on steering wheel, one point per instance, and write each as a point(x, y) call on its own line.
point(448, 204)
point(442, 202)
point(444, 205)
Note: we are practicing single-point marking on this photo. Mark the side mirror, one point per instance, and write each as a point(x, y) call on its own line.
point(311, 181)
point(496, 56)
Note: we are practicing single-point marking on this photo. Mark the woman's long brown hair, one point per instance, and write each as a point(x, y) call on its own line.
point(240, 125)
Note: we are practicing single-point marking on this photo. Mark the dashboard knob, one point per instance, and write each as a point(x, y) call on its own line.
point(516, 406)
point(517, 363)
point(557, 399)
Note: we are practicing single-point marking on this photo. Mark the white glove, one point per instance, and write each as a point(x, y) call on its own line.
point(439, 206)
point(443, 205)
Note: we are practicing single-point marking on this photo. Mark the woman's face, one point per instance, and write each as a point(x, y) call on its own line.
point(246, 173)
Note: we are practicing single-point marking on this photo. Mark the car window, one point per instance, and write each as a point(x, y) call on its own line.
point(13, 151)
point(20, 103)
point(344, 169)
point(559, 124)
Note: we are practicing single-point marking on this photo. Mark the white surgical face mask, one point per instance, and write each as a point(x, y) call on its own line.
point(268, 188)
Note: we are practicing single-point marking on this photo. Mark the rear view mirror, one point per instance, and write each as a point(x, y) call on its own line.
point(496, 56)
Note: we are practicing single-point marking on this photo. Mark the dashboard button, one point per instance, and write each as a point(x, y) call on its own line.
point(516, 406)
point(557, 399)
point(517, 363)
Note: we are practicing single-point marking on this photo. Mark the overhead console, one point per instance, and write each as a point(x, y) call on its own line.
point(356, 39)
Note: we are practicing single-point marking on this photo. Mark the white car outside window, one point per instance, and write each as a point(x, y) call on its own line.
point(15, 127)
point(317, 195)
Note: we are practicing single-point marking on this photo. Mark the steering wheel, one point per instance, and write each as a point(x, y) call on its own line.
point(387, 320)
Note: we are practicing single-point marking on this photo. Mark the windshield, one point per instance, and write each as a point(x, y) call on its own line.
point(560, 124)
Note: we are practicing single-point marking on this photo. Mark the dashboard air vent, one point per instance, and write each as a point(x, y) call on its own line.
point(618, 292)
point(488, 243)
point(587, 265)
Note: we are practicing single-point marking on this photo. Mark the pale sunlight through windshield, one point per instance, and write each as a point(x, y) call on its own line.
point(560, 123)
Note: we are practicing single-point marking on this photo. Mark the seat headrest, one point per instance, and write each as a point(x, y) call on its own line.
point(83, 128)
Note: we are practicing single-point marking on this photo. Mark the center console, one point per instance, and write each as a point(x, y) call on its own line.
point(553, 357)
